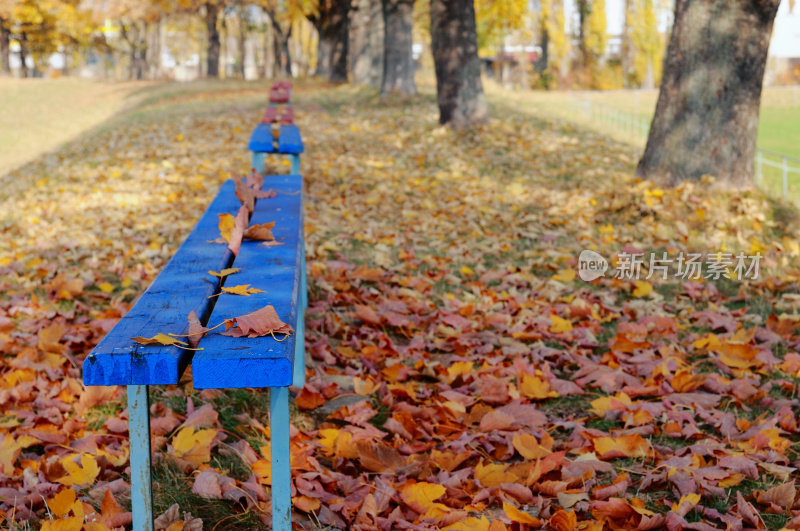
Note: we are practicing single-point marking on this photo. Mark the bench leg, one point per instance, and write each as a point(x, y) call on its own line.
point(258, 162)
point(295, 164)
point(304, 278)
point(279, 455)
point(141, 480)
point(299, 367)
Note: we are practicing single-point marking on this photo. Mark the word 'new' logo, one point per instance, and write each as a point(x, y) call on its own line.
point(591, 265)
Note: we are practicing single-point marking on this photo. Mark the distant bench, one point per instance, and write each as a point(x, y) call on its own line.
point(185, 285)
point(277, 133)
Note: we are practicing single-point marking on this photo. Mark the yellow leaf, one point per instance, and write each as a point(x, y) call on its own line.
point(105, 287)
point(459, 368)
point(163, 339)
point(470, 524)
point(621, 446)
point(565, 275)
point(710, 342)
point(518, 516)
point(535, 387)
point(642, 289)
point(242, 289)
point(193, 446)
point(263, 471)
point(688, 502)
point(528, 446)
point(61, 503)
point(559, 325)
point(226, 226)
point(74, 523)
point(79, 475)
point(466, 270)
point(423, 493)
point(225, 272)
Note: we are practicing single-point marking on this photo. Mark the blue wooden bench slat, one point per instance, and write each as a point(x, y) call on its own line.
point(182, 286)
point(228, 362)
point(289, 141)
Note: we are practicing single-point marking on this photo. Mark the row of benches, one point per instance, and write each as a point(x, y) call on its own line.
point(185, 285)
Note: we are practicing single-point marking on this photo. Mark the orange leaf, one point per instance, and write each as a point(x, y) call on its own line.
point(621, 446)
point(259, 323)
point(564, 521)
point(518, 516)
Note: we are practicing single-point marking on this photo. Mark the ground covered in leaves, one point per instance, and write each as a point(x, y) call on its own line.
point(461, 375)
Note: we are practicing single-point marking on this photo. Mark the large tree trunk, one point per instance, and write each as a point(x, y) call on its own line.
point(332, 26)
point(707, 112)
point(214, 44)
point(5, 48)
point(366, 42)
point(398, 61)
point(455, 55)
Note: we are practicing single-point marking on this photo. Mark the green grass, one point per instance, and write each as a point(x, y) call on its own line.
point(777, 131)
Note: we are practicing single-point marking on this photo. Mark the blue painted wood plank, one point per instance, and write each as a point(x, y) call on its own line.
point(289, 141)
point(228, 362)
point(184, 285)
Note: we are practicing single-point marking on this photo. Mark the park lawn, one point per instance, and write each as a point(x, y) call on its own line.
point(38, 115)
point(452, 343)
point(779, 120)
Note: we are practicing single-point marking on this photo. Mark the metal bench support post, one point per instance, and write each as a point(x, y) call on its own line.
point(281, 471)
point(139, 430)
point(295, 164)
point(299, 367)
point(258, 162)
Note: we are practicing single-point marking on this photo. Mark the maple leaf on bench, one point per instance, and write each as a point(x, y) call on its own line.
point(259, 323)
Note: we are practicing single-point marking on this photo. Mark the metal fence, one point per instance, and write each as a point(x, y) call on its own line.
point(775, 173)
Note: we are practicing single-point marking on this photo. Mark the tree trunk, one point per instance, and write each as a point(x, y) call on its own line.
point(706, 117)
point(5, 48)
point(359, 41)
point(213, 47)
point(23, 54)
point(324, 53)
point(241, 45)
point(276, 55)
point(287, 54)
point(583, 15)
point(455, 55)
point(544, 58)
point(398, 61)
point(332, 26)
point(626, 48)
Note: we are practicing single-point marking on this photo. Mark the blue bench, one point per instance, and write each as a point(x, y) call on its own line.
point(276, 134)
point(287, 141)
point(185, 285)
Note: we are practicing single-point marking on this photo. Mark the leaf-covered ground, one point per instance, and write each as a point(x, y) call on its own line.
point(461, 375)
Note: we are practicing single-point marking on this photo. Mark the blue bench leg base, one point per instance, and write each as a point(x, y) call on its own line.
point(141, 480)
point(295, 164)
point(279, 455)
point(258, 162)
